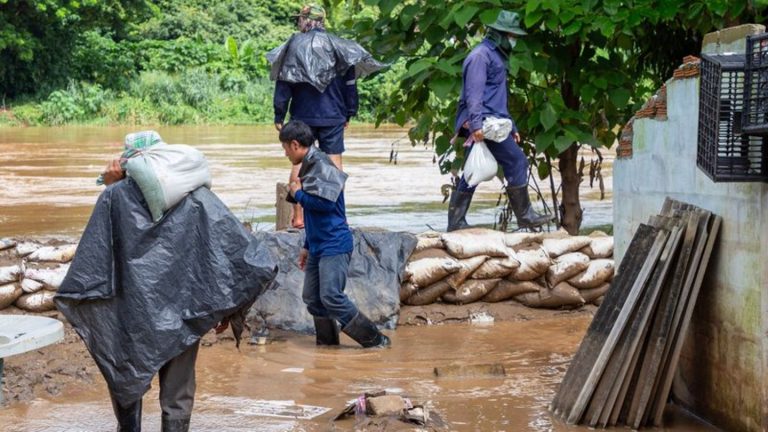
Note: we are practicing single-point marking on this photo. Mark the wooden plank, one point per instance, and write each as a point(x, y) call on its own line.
point(666, 384)
point(283, 207)
point(637, 323)
point(658, 402)
point(610, 418)
point(659, 334)
point(631, 265)
point(577, 410)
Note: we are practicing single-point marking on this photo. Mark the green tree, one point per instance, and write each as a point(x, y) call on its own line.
point(37, 36)
point(584, 68)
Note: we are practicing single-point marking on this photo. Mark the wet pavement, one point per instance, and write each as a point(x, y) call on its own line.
point(239, 391)
point(47, 177)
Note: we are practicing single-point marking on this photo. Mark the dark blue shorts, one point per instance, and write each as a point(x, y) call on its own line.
point(330, 139)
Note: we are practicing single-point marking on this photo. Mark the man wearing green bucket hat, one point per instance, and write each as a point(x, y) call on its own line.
point(484, 96)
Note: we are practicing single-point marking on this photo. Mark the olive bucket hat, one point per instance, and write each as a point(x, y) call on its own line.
point(508, 22)
point(312, 11)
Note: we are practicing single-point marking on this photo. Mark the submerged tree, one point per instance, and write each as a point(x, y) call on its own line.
point(585, 66)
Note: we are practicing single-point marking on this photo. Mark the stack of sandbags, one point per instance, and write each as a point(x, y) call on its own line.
point(32, 273)
point(538, 270)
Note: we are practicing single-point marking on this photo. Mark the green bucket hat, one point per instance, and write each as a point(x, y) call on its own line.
point(508, 22)
point(312, 11)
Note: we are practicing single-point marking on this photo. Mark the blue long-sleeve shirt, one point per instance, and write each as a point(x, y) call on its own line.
point(331, 107)
point(484, 87)
point(325, 225)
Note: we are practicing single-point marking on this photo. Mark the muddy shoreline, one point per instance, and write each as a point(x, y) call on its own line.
point(68, 367)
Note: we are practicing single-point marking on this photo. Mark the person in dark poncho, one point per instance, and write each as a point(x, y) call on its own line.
point(328, 242)
point(141, 294)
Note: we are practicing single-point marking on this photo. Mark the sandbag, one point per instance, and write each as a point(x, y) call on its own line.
point(474, 242)
point(428, 240)
point(561, 295)
point(430, 253)
point(533, 263)
point(41, 301)
point(592, 294)
point(7, 244)
point(167, 173)
point(51, 278)
point(474, 289)
point(496, 268)
point(407, 289)
point(598, 272)
point(560, 246)
point(426, 271)
point(507, 289)
point(9, 293)
point(567, 266)
point(599, 247)
point(517, 239)
point(31, 286)
point(468, 266)
point(598, 301)
point(428, 295)
point(60, 254)
point(10, 274)
point(25, 248)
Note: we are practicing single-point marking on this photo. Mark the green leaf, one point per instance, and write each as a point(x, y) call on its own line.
point(533, 18)
point(548, 116)
point(531, 6)
point(386, 6)
point(572, 28)
point(562, 143)
point(543, 170)
point(442, 87)
point(419, 66)
point(544, 141)
point(600, 83)
point(407, 14)
point(442, 144)
point(489, 16)
point(620, 97)
point(465, 14)
point(231, 45)
point(588, 93)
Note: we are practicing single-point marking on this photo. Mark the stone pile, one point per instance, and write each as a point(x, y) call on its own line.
point(30, 273)
point(551, 270)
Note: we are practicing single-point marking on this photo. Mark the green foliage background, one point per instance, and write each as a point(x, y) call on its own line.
point(142, 62)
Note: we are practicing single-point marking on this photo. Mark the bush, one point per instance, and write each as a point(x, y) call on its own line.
point(157, 87)
point(76, 102)
point(29, 114)
point(198, 87)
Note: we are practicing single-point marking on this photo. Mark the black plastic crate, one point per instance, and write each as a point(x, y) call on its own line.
point(756, 85)
point(725, 154)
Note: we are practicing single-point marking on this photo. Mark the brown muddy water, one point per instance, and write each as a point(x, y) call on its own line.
point(235, 387)
point(47, 177)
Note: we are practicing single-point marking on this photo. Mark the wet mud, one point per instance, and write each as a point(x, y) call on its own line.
point(292, 385)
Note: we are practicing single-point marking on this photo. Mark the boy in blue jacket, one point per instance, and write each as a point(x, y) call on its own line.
point(319, 189)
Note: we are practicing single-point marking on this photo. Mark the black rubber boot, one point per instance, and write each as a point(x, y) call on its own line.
point(457, 210)
point(128, 418)
point(364, 332)
point(326, 331)
point(177, 425)
point(521, 206)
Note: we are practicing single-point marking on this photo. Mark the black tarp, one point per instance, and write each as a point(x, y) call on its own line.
point(317, 58)
point(140, 293)
point(375, 271)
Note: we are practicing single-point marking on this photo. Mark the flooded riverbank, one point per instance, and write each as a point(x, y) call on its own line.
point(234, 388)
point(47, 177)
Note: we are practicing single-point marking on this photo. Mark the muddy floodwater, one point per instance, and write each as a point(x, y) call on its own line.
point(237, 391)
point(47, 177)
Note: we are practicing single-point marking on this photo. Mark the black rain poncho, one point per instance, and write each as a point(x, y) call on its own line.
point(318, 57)
point(140, 293)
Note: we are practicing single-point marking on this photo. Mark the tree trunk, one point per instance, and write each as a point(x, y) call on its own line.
point(570, 207)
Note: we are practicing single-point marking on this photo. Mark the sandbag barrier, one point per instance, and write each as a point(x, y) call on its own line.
point(539, 270)
point(31, 273)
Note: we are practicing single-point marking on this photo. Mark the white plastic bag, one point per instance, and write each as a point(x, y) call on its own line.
point(480, 165)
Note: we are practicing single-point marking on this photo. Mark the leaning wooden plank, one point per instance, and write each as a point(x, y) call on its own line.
point(637, 322)
point(657, 340)
point(658, 402)
point(577, 410)
point(614, 415)
point(631, 265)
point(666, 385)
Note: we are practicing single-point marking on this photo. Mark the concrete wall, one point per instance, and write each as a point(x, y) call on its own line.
point(723, 375)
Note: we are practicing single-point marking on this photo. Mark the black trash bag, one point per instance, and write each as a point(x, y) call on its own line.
point(140, 293)
point(317, 58)
point(375, 272)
